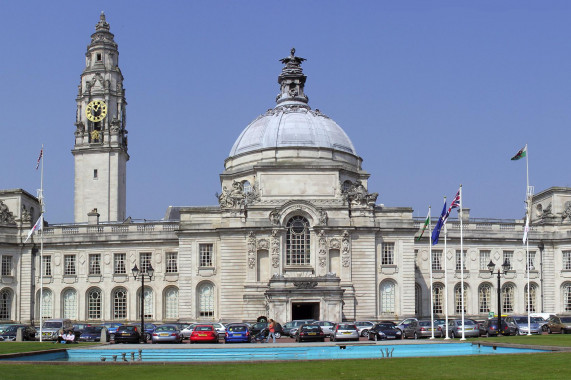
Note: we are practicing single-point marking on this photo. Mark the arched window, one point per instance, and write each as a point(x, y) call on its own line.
point(438, 295)
point(5, 304)
point(387, 297)
point(417, 300)
point(566, 296)
point(94, 303)
point(298, 241)
point(119, 303)
point(508, 292)
point(247, 187)
point(69, 300)
point(458, 298)
point(148, 302)
point(171, 303)
point(46, 301)
point(206, 300)
point(532, 297)
point(484, 298)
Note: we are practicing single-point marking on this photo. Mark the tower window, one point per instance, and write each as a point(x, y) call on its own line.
point(94, 173)
point(98, 57)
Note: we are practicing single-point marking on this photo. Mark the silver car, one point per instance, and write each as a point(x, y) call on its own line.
point(521, 325)
point(345, 331)
point(166, 333)
point(326, 326)
point(471, 328)
point(364, 327)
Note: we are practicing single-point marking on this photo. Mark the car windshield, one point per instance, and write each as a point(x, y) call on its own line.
point(521, 320)
point(343, 326)
point(424, 323)
point(165, 328)
point(12, 328)
point(565, 319)
point(310, 328)
point(52, 325)
point(92, 329)
point(203, 328)
point(537, 320)
point(467, 322)
point(237, 328)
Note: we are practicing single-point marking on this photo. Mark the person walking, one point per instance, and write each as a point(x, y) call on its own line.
point(272, 331)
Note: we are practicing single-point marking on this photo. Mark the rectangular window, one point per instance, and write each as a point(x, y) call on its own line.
point(94, 173)
point(119, 264)
point(484, 259)
point(172, 262)
point(98, 57)
point(566, 260)
point(95, 264)
point(205, 253)
point(69, 265)
point(47, 265)
point(6, 265)
point(388, 257)
point(145, 261)
point(509, 256)
point(530, 262)
point(460, 260)
point(436, 260)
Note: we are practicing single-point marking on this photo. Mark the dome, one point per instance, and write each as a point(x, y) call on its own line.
point(292, 123)
point(289, 126)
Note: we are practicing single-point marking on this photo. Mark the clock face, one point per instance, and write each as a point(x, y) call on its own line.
point(96, 110)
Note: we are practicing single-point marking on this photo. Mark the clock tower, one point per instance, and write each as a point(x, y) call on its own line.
point(100, 150)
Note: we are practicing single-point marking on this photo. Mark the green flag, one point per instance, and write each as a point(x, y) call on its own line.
point(423, 227)
point(521, 154)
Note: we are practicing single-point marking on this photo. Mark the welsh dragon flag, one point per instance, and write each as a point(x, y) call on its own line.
point(521, 154)
point(423, 227)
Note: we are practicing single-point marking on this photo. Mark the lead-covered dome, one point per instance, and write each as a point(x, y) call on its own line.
point(292, 123)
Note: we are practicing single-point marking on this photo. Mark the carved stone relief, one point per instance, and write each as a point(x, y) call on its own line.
point(334, 244)
point(6, 216)
point(274, 217)
point(566, 215)
point(251, 250)
point(26, 217)
point(236, 197)
point(346, 249)
point(322, 249)
point(275, 249)
point(356, 194)
point(323, 217)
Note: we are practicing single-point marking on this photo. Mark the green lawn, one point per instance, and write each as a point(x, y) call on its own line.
point(518, 366)
point(13, 347)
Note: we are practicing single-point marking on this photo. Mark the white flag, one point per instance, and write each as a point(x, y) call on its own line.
point(38, 226)
point(526, 229)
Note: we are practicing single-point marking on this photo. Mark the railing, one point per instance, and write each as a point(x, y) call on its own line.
point(103, 229)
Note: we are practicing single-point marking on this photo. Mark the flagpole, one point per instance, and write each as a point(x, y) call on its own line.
point(528, 204)
point(461, 264)
point(42, 210)
point(445, 279)
point(430, 266)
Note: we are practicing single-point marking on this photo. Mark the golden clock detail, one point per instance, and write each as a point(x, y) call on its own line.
point(96, 110)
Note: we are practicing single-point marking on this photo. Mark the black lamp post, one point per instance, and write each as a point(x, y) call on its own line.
point(505, 267)
point(137, 273)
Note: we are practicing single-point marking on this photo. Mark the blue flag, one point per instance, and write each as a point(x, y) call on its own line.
point(436, 231)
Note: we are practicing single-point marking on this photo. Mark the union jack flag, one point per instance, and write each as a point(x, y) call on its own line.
point(454, 204)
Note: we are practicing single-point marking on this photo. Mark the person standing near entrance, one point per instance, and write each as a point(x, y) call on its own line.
point(272, 331)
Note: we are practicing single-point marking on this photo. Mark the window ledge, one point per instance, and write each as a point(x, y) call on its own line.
point(69, 279)
point(206, 271)
point(7, 279)
point(94, 278)
point(171, 277)
point(120, 277)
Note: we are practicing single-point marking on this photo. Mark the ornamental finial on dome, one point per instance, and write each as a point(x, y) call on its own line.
point(102, 24)
point(292, 80)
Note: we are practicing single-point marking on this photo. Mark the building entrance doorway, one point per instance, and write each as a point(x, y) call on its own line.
point(305, 310)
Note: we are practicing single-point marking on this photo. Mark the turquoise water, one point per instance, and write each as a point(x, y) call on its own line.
point(274, 353)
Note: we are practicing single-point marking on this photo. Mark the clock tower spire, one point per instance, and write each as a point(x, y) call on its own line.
point(100, 150)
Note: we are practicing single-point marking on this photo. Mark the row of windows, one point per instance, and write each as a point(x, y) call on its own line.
point(485, 256)
point(95, 302)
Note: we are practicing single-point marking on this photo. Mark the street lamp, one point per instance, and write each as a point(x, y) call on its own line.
point(505, 267)
point(137, 273)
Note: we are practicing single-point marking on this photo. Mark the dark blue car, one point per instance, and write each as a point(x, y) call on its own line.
point(238, 333)
point(385, 330)
point(92, 334)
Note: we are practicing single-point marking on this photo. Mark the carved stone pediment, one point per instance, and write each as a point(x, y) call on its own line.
point(305, 284)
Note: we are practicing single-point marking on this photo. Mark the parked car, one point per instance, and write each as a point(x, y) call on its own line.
point(52, 328)
point(559, 324)
point(491, 328)
point(309, 332)
point(257, 327)
point(166, 334)
point(128, 334)
point(421, 329)
point(470, 328)
point(290, 328)
point(4, 326)
point(405, 323)
point(326, 326)
point(9, 333)
point(237, 332)
point(364, 327)
point(345, 331)
point(384, 330)
point(92, 333)
point(204, 333)
point(523, 325)
point(112, 328)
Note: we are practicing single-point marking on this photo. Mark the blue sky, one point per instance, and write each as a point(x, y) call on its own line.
point(432, 94)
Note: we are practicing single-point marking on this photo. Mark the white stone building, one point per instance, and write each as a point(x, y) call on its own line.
point(297, 233)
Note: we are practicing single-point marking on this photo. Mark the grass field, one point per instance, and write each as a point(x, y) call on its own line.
point(518, 366)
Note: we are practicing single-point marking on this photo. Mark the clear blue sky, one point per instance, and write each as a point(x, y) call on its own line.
point(432, 93)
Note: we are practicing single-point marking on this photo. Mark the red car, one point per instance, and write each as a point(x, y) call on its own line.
point(204, 333)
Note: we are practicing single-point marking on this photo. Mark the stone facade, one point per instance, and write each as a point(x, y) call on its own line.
point(297, 232)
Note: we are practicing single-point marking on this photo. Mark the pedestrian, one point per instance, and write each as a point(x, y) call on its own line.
point(272, 331)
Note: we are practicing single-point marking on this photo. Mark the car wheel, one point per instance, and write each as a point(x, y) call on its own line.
point(278, 335)
point(365, 333)
point(548, 330)
point(415, 335)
